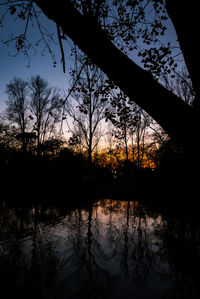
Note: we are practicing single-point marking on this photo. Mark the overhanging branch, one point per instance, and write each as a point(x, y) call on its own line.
point(174, 115)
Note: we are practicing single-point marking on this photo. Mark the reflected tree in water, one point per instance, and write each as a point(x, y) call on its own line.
point(111, 249)
point(83, 265)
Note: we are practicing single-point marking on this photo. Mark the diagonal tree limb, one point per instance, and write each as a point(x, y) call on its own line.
point(174, 115)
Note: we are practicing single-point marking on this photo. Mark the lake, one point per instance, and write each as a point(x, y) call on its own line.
point(105, 249)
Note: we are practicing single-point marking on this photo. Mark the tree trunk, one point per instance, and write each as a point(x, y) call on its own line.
point(175, 116)
point(90, 160)
point(184, 17)
point(126, 146)
point(38, 140)
point(24, 145)
point(90, 130)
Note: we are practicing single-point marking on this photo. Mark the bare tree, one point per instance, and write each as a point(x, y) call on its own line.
point(76, 140)
point(17, 111)
point(17, 103)
point(140, 130)
point(98, 30)
point(87, 106)
point(87, 33)
point(45, 107)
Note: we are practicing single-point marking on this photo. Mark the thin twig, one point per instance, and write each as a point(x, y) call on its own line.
point(70, 91)
point(61, 48)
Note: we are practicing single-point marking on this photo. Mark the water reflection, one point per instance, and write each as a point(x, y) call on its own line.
point(109, 249)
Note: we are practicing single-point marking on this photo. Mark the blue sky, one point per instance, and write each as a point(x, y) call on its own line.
point(18, 66)
point(11, 67)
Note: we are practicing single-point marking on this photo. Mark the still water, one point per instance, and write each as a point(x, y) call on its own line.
point(107, 249)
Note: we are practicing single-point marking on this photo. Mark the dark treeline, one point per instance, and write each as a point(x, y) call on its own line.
point(106, 85)
point(59, 173)
point(38, 161)
point(97, 199)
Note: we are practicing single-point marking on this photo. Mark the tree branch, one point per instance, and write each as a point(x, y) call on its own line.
point(173, 114)
point(61, 47)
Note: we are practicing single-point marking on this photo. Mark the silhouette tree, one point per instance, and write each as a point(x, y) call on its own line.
point(45, 108)
point(33, 106)
point(104, 37)
point(87, 107)
point(17, 106)
point(181, 85)
point(142, 122)
point(87, 33)
point(27, 138)
point(52, 146)
point(122, 116)
point(7, 143)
